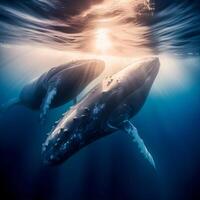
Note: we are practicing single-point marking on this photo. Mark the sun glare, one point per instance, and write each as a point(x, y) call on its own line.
point(103, 42)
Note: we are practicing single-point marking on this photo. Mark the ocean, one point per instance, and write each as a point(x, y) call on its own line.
point(38, 35)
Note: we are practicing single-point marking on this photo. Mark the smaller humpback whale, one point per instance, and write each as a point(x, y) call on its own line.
point(105, 110)
point(58, 86)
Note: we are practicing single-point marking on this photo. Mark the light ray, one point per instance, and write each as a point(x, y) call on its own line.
point(103, 42)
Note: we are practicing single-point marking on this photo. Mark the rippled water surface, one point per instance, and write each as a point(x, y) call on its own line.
point(130, 25)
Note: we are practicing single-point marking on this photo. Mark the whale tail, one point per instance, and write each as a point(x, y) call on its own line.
point(10, 104)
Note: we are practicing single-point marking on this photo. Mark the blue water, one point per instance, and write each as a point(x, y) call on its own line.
point(112, 168)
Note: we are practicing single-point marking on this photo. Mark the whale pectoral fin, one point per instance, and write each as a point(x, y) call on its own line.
point(129, 128)
point(44, 108)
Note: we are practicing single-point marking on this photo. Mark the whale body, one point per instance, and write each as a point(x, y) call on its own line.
point(105, 110)
point(59, 85)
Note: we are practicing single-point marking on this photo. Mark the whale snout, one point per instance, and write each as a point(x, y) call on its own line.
point(156, 64)
point(149, 70)
point(144, 74)
point(153, 65)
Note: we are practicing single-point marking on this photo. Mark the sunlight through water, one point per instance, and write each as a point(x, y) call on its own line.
point(103, 42)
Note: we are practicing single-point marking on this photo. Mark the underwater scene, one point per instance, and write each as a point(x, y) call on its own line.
point(100, 99)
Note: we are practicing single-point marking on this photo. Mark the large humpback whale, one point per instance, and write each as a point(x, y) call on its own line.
point(105, 110)
point(58, 86)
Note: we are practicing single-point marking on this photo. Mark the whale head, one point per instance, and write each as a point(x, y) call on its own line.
point(141, 77)
point(144, 77)
point(142, 74)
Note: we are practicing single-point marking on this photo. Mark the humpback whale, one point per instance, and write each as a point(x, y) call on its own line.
point(58, 86)
point(108, 108)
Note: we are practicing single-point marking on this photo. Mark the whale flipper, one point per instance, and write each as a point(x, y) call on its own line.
point(9, 104)
point(45, 106)
point(129, 128)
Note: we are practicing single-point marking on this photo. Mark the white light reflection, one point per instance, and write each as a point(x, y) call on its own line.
point(103, 42)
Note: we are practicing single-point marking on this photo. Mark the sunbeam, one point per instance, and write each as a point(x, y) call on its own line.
point(103, 42)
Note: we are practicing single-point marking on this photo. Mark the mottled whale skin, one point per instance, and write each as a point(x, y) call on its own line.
point(106, 109)
point(59, 85)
